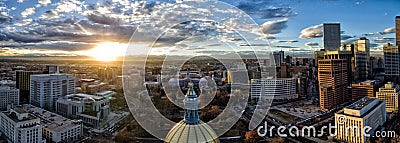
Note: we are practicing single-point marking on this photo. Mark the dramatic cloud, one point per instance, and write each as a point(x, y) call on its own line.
point(285, 41)
point(259, 9)
point(300, 50)
point(51, 14)
point(312, 32)
point(285, 46)
point(345, 37)
point(274, 27)
point(384, 40)
point(388, 31)
point(349, 40)
point(27, 12)
point(104, 19)
point(44, 2)
point(311, 44)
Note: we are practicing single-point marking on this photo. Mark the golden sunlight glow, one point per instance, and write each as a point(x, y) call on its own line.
point(106, 51)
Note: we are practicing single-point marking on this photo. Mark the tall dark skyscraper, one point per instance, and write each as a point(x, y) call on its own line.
point(331, 36)
point(398, 30)
point(392, 62)
point(23, 84)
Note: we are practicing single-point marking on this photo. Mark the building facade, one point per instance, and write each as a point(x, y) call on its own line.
point(20, 127)
point(363, 89)
point(392, 62)
point(23, 84)
point(332, 78)
point(55, 128)
point(92, 110)
point(351, 123)
point(397, 19)
point(390, 94)
point(46, 88)
point(9, 97)
point(362, 65)
point(331, 36)
point(347, 55)
point(281, 88)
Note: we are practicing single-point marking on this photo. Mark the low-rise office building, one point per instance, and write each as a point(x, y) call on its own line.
point(92, 110)
point(366, 112)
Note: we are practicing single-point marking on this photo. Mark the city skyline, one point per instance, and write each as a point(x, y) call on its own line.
point(102, 29)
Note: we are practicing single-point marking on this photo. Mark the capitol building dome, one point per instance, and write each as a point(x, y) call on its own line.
point(191, 129)
point(183, 132)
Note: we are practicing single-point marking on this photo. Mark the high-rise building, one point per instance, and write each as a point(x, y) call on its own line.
point(282, 56)
point(332, 78)
point(360, 66)
point(277, 59)
point(398, 30)
point(390, 94)
point(20, 127)
point(318, 55)
point(351, 123)
point(46, 88)
point(361, 63)
point(281, 88)
point(302, 86)
point(331, 36)
point(363, 89)
point(392, 62)
point(347, 55)
point(92, 110)
point(23, 84)
point(9, 97)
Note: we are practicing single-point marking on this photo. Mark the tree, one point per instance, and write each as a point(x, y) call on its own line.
point(252, 137)
point(278, 140)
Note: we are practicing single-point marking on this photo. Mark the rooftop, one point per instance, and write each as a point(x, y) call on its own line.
point(82, 96)
point(105, 92)
point(7, 88)
point(358, 105)
point(50, 120)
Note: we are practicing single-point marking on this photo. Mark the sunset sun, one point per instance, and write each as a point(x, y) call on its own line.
point(107, 51)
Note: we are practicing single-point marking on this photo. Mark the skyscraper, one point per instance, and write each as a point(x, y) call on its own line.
point(347, 56)
point(331, 36)
point(332, 78)
point(361, 63)
point(392, 62)
point(46, 88)
point(277, 58)
point(22, 83)
point(398, 30)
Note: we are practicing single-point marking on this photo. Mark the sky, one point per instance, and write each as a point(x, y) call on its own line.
point(104, 28)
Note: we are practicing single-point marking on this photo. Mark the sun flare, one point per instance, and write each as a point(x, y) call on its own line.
point(107, 51)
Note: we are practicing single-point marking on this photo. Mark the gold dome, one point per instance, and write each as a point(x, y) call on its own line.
point(183, 132)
